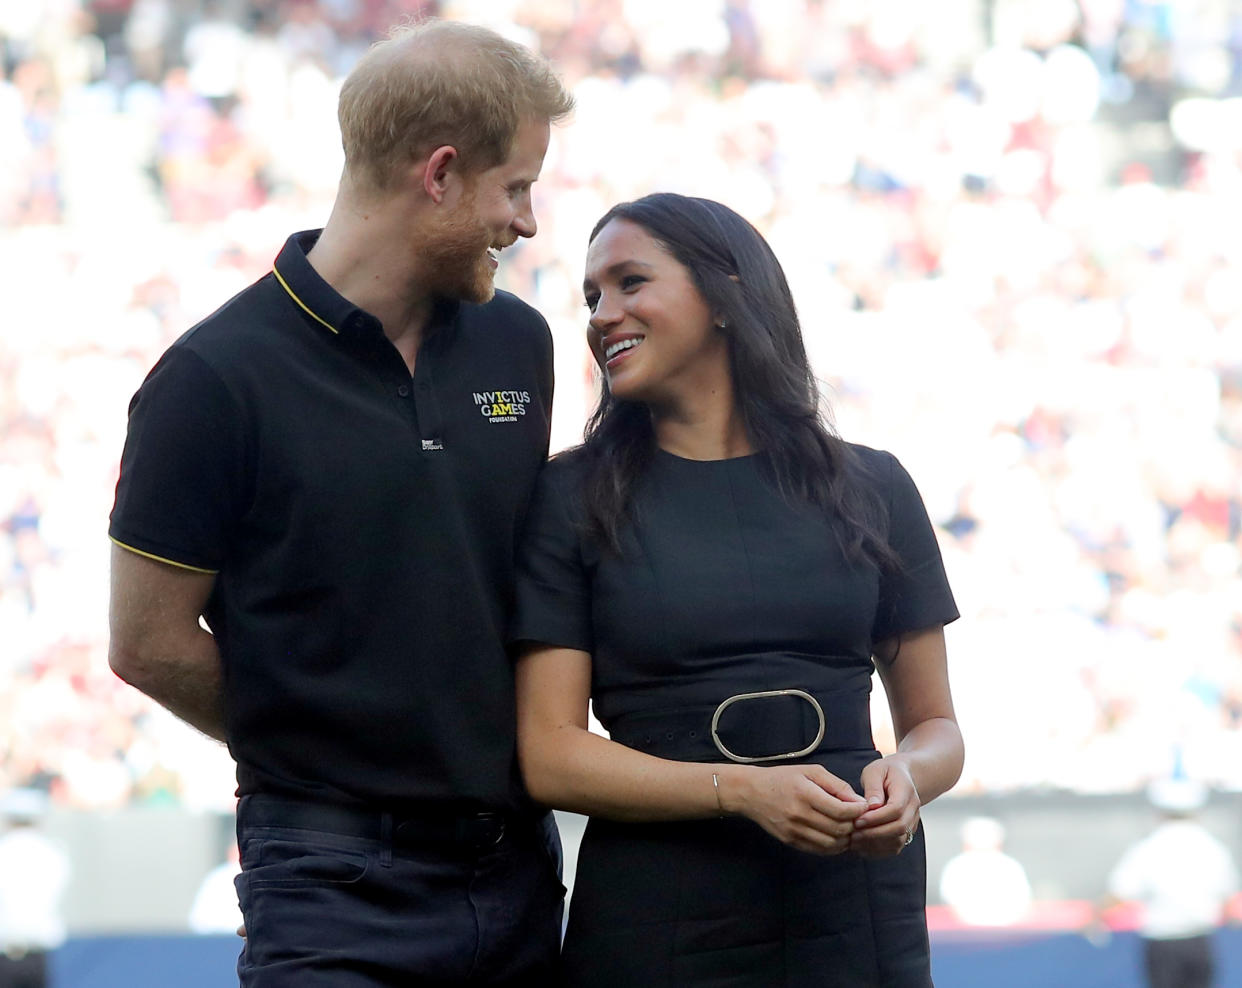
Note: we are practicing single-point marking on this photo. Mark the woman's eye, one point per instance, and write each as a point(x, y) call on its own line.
point(626, 283)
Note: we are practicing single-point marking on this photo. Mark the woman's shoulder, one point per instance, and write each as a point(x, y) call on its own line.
point(881, 471)
point(567, 465)
point(564, 473)
point(869, 465)
point(557, 500)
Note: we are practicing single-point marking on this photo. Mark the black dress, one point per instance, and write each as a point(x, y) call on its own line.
point(724, 587)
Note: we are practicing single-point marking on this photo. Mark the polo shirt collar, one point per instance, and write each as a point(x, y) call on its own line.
point(324, 304)
point(314, 296)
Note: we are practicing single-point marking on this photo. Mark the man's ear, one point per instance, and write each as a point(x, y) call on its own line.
point(440, 168)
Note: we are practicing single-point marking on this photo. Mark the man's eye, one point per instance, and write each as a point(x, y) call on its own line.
point(631, 280)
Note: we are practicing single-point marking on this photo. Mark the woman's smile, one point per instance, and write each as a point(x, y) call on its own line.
point(616, 347)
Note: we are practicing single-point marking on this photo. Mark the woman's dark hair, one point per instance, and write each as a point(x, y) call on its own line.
point(742, 283)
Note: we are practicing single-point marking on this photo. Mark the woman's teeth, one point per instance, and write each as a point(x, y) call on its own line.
point(615, 348)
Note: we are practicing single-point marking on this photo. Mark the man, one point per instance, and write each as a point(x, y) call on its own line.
point(330, 470)
point(34, 873)
point(215, 908)
point(982, 884)
point(1183, 878)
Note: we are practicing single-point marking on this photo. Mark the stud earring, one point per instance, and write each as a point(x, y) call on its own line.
point(723, 324)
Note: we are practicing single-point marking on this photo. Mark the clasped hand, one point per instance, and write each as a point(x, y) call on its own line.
point(809, 808)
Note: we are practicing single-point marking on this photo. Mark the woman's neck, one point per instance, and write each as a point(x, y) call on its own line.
point(711, 432)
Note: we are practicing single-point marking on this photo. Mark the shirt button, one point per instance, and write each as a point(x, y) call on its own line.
point(404, 391)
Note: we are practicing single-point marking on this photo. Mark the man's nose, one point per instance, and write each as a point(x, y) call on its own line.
point(524, 222)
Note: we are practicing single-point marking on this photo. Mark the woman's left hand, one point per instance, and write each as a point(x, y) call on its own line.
point(889, 823)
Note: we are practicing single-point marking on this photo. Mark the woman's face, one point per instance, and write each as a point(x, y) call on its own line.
point(650, 329)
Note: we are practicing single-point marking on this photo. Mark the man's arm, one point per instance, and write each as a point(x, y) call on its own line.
point(157, 644)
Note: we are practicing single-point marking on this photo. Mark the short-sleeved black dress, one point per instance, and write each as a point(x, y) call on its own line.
point(724, 587)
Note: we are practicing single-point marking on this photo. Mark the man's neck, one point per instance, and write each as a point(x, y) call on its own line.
point(361, 255)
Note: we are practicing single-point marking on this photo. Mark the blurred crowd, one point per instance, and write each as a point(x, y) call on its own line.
point(1011, 227)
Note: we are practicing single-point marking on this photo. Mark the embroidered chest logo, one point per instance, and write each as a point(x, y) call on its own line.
point(502, 406)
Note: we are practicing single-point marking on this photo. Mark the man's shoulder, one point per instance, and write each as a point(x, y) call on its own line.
point(235, 326)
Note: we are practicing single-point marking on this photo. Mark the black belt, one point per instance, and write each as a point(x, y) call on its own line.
point(465, 830)
point(768, 727)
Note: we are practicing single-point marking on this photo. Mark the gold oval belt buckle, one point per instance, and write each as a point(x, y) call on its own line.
point(732, 756)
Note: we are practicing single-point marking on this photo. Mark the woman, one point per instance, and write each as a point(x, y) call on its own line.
point(715, 570)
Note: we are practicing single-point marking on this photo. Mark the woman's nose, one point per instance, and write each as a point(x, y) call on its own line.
point(605, 314)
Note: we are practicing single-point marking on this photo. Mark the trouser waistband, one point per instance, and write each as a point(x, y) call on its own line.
point(752, 727)
point(407, 829)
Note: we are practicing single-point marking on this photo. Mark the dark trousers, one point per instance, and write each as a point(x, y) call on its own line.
point(348, 899)
point(1184, 963)
point(26, 971)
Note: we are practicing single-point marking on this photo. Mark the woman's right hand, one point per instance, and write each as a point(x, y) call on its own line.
point(804, 806)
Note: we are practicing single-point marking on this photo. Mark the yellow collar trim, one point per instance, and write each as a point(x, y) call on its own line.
point(306, 308)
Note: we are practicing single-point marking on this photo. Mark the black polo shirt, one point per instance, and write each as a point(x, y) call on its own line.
point(361, 523)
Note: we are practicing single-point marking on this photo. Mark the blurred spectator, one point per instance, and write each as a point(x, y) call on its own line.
point(1183, 877)
point(34, 872)
point(215, 908)
point(982, 884)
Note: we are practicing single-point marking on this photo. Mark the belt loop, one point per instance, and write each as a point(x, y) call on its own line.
point(386, 840)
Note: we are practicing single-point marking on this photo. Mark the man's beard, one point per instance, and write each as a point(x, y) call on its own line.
point(457, 257)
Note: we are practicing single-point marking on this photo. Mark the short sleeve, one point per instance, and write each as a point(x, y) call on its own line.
point(553, 600)
point(917, 594)
point(179, 494)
